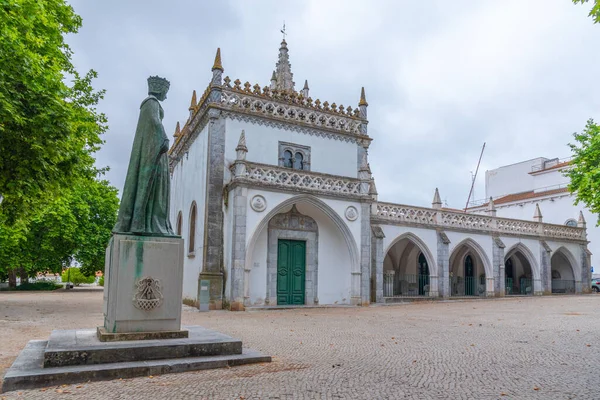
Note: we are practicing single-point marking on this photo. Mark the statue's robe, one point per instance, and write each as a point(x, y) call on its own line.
point(144, 205)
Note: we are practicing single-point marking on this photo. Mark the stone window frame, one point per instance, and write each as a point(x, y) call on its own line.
point(295, 148)
point(179, 225)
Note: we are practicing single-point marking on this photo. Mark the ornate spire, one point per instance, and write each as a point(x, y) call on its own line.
point(193, 102)
point(283, 70)
point(363, 99)
point(373, 188)
point(217, 64)
point(177, 131)
point(437, 200)
point(537, 215)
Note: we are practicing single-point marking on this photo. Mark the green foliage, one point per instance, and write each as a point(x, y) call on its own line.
point(76, 277)
point(55, 207)
point(101, 281)
point(585, 171)
point(40, 285)
point(594, 12)
point(49, 128)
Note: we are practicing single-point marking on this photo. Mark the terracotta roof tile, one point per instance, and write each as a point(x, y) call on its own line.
point(524, 196)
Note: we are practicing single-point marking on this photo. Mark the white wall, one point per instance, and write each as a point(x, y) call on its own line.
point(328, 156)
point(188, 184)
point(545, 180)
point(514, 178)
point(428, 238)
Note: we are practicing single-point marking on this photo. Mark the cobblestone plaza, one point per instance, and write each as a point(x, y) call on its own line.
point(518, 348)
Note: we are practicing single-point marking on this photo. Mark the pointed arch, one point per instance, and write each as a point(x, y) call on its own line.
point(571, 259)
point(528, 254)
point(179, 224)
point(421, 245)
point(475, 247)
point(192, 225)
point(337, 222)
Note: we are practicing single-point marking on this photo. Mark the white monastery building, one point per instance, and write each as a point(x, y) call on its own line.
point(274, 197)
point(537, 188)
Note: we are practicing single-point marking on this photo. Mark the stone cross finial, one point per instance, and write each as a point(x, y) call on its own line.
point(437, 200)
point(537, 215)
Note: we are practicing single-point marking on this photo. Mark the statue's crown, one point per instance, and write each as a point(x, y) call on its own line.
point(156, 84)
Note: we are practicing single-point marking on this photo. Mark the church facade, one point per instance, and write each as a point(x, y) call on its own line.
point(273, 193)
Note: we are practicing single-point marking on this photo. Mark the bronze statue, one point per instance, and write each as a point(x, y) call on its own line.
point(144, 205)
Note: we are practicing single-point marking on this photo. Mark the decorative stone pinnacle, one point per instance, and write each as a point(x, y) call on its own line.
point(581, 220)
point(177, 130)
point(363, 99)
point(305, 84)
point(437, 200)
point(537, 215)
point(193, 102)
point(373, 188)
point(491, 206)
point(242, 142)
point(217, 64)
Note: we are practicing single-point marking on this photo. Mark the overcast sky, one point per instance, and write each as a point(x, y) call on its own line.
point(441, 77)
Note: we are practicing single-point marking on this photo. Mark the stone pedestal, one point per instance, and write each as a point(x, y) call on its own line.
point(143, 284)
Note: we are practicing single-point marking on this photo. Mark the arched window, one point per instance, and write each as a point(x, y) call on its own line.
point(192, 236)
point(298, 161)
point(287, 159)
point(179, 223)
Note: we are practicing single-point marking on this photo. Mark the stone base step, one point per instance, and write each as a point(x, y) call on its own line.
point(27, 371)
point(82, 347)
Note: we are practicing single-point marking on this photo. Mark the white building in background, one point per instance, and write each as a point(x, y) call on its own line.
point(273, 194)
point(517, 189)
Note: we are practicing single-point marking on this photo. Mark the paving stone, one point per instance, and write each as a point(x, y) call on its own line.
point(479, 349)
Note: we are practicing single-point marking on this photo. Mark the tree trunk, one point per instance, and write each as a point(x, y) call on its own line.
point(12, 278)
point(23, 275)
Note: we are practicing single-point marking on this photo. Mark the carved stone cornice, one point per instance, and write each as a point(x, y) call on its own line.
point(399, 214)
point(298, 181)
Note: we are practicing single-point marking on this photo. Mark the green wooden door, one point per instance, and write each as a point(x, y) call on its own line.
point(291, 271)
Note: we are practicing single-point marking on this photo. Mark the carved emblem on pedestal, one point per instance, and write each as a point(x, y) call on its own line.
point(351, 213)
point(258, 203)
point(148, 295)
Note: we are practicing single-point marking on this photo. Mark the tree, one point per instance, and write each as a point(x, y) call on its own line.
point(73, 226)
point(585, 171)
point(594, 12)
point(76, 276)
point(48, 128)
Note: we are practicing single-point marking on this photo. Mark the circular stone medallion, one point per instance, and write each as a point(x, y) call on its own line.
point(258, 203)
point(351, 213)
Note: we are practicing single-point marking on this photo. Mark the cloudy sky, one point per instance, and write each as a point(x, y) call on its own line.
point(441, 77)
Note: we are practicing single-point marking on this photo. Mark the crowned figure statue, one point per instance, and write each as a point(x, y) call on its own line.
point(144, 205)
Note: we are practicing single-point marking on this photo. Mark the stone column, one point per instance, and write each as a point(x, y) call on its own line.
point(377, 264)
point(365, 254)
point(583, 286)
point(213, 229)
point(545, 268)
point(498, 267)
point(238, 248)
point(443, 264)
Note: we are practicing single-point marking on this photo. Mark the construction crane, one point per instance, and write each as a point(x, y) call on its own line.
point(474, 177)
